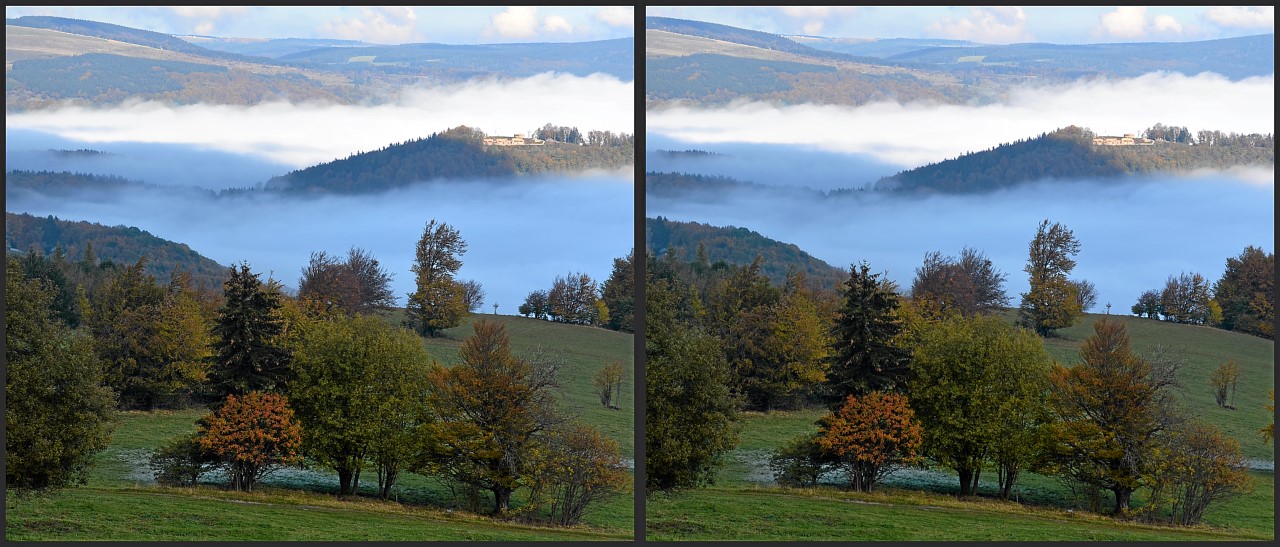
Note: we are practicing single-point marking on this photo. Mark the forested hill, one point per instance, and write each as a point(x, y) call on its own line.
point(119, 244)
point(459, 153)
point(1069, 153)
point(737, 246)
point(737, 35)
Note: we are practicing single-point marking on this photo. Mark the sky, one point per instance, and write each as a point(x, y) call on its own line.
point(993, 25)
point(375, 24)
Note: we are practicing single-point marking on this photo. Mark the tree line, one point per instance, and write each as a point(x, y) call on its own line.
point(929, 377)
point(1242, 300)
point(321, 380)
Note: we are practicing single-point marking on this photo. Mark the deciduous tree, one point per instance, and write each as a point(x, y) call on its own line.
point(358, 285)
point(252, 435)
point(1246, 293)
point(1185, 299)
point(871, 436)
point(359, 389)
point(970, 284)
point(583, 466)
point(57, 412)
point(618, 293)
point(1111, 408)
point(1223, 379)
point(439, 301)
point(492, 410)
point(1052, 301)
point(608, 382)
point(977, 388)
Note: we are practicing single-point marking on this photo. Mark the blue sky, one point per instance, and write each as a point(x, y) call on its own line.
point(385, 25)
point(999, 25)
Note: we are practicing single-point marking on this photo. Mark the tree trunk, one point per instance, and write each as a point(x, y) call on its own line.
point(501, 499)
point(355, 482)
point(344, 481)
point(1122, 499)
point(966, 481)
point(386, 480)
point(973, 490)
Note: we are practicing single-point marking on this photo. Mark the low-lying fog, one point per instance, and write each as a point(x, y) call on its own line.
point(914, 134)
point(219, 146)
point(520, 234)
point(1133, 233)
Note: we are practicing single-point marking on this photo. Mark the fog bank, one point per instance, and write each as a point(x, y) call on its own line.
point(1134, 233)
point(918, 133)
point(520, 234)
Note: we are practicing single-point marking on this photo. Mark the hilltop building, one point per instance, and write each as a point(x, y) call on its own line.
point(1129, 139)
point(516, 140)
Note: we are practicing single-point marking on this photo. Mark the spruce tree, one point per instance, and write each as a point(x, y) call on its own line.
point(248, 355)
point(867, 353)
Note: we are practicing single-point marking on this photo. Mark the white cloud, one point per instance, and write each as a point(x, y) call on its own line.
point(515, 22)
point(1167, 23)
point(205, 18)
point(556, 23)
point(1124, 22)
point(914, 134)
point(384, 25)
point(304, 134)
point(616, 16)
point(1260, 17)
point(999, 25)
point(813, 18)
point(1133, 22)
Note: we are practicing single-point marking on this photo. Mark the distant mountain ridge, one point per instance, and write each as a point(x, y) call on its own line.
point(121, 33)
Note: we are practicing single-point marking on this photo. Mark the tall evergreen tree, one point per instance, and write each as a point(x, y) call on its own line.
point(248, 354)
point(439, 301)
point(868, 355)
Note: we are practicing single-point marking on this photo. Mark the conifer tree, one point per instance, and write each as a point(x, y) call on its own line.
point(248, 355)
point(868, 355)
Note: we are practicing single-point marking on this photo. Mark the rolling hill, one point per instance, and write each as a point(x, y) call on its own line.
point(738, 246)
point(120, 244)
point(1069, 153)
point(455, 153)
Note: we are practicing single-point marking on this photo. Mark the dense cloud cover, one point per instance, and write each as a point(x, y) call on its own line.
point(918, 133)
point(1134, 233)
point(521, 234)
point(303, 134)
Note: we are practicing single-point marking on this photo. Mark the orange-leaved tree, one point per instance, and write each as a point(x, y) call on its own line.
point(252, 435)
point(871, 436)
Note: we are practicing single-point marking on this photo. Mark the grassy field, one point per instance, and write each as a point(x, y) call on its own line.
point(122, 503)
point(920, 504)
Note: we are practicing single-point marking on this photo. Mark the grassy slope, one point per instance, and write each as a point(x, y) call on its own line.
point(743, 507)
point(121, 503)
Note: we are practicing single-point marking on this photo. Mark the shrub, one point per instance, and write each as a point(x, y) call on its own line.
point(800, 462)
point(181, 461)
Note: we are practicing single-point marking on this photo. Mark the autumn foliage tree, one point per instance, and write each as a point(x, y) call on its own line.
point(871, 436)
point(1224, 378)
point(1200, 466)
point(1111, 409)
point(357, 285)
point(438, 301)
point(252, 435)
point(582, 466)
point(491, 411)
point(608, 383)
point(1051, 302)
point(970, 284)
